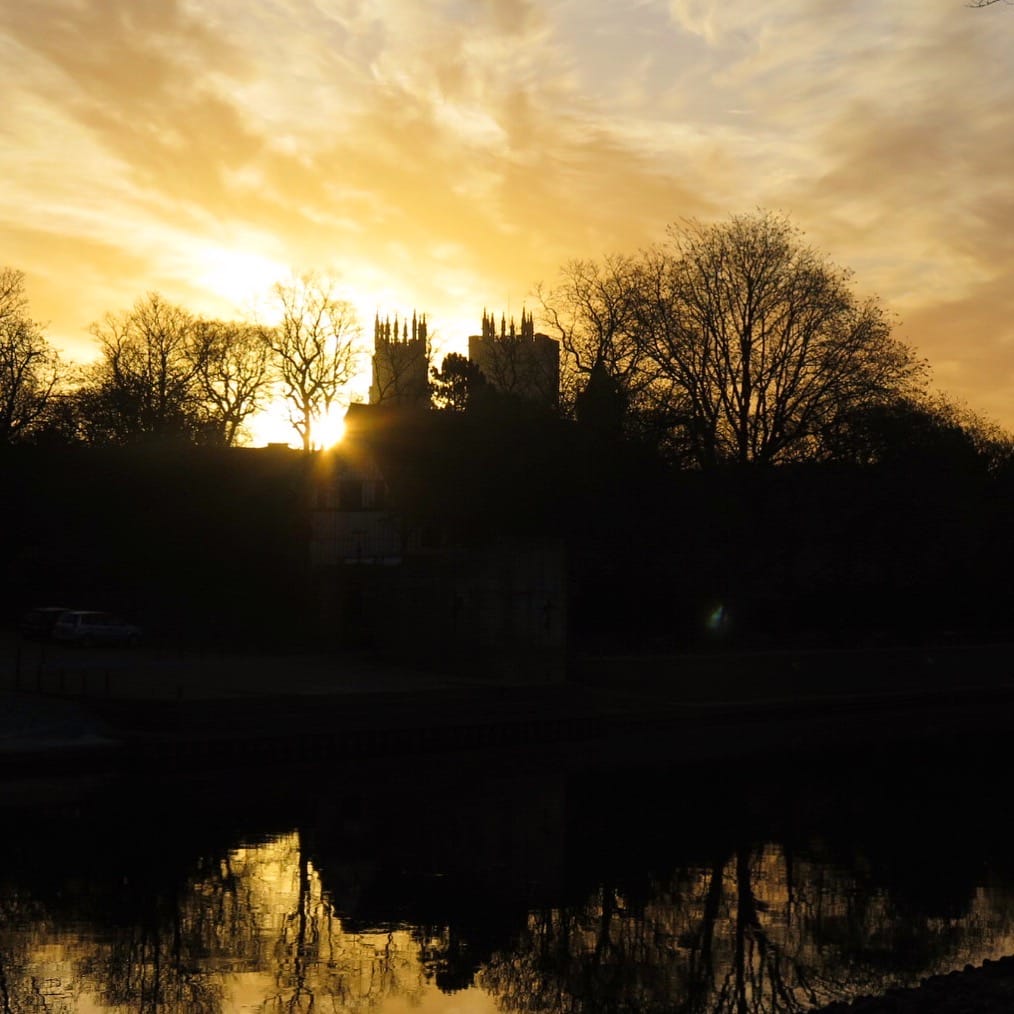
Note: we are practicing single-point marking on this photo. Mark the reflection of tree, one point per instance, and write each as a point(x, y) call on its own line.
point(260, 910)
point(222, 911)
point(156, 967)
point(741, 929)
point(23, 925)
point(758, 931)
point(298, 941)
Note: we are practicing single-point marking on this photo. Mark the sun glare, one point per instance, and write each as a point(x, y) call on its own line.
point(238, 277)
point(273, 426)
point(329, 430)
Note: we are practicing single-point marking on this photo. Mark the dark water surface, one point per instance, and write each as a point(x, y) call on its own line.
point(513, 881)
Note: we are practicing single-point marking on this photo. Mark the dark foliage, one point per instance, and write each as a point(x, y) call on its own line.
point(202, 546)
point(911, 544)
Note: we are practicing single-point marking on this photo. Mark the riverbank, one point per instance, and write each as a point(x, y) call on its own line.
point(67, 707)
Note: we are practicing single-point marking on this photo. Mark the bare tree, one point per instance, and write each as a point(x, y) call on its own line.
point(232, 367)
point(608, 373)
point(593, 310)
point(314, 349)
point(29, 366)
point(145, 383)
point(763, 340)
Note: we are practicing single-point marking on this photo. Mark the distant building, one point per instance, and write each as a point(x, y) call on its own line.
point(518, 362)
point(390, 570)
point(350, 522)
point(400, 362)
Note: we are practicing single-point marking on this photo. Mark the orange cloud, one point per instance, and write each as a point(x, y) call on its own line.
point(447, 156)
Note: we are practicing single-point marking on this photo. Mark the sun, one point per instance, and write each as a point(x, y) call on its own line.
point(272, 425)
point(329, 431)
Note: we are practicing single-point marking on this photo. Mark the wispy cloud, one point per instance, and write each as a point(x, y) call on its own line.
point(448, 155)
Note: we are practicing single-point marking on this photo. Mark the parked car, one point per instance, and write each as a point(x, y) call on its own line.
point(37, 623)
point(89, 626)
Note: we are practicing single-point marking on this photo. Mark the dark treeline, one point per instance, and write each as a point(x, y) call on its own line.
point(202, 545)
point(911, 548)
point(742, 453)
point(164, 375)
point(213, 543)
point(728, 344)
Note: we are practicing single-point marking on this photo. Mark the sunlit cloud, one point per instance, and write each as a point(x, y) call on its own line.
point(447, 156)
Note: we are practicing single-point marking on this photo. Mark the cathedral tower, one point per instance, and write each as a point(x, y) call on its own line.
point(518, 360)
point(401, 362)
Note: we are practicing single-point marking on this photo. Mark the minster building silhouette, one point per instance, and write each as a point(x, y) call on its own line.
point(518, 362)
point(514, 360)
point(400, 362)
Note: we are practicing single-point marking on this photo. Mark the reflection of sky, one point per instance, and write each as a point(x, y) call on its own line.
point(448, 155)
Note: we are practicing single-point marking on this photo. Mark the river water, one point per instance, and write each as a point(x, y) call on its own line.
point(524, 880)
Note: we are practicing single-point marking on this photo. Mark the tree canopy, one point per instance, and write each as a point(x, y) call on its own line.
point(457, 384)
point(30, 369)
point(732, 342)
point(765, 343)
point(144, 383)
point(315, 346)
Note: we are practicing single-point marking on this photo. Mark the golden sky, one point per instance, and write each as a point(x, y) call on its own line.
point(446, 155)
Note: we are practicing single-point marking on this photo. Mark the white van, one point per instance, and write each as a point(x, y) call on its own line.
point(89, 626)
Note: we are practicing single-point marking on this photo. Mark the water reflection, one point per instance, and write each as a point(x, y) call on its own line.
point(764, 932)
point(252, 930)
point(501, 884)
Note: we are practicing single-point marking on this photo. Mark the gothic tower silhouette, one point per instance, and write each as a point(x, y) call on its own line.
point(400, 362)
point(518, 360)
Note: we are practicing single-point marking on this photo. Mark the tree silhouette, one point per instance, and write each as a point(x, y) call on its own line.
point(763, 340)
point(29, 367)
point(314, 349)
point(146, 382)
point(232, 363)
point(931, 432)
point(457, 384)
point(593, 310)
